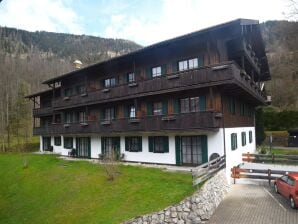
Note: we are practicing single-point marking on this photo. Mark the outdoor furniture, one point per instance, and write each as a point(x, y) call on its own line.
point(72, 153)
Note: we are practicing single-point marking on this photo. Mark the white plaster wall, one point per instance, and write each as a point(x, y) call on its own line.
point(95, 146)
point(57, 149)
point(234, 158)
point(150, 157)
point(215, 143)
point(40, 143)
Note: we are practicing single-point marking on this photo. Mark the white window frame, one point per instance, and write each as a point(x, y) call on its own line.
point(156, 71)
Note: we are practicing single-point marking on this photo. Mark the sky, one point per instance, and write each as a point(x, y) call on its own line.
point(142, 21)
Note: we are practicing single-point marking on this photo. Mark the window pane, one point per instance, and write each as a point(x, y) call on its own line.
point(113, 81)
point(194, 104)
point(184, 105)
point(157, 108)
point(132, 112)
point(107, 83)
point(193, 63)
point(131, 77)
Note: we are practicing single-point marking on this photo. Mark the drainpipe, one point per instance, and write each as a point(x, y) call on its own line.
point(223, 125)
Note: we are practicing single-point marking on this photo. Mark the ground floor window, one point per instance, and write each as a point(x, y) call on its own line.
point(250, 136)
point(234, 141)
point(68, 142)
point(133, 144)
point(57, 141)
point(243, 138)
point(46, 143)
point(158, 144)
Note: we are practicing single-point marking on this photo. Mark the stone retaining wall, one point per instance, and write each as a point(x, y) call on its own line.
point(197, 208)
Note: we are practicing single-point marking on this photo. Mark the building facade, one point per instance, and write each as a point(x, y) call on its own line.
point(179, 102)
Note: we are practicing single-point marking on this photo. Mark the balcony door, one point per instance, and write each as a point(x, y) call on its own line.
point(110, 146)
point(193, 150)
point(83, 147)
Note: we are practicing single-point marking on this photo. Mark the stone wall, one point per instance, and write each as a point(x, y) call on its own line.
point(197, 208)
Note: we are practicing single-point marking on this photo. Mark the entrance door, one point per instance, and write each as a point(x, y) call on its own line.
point(83, 147)
point(191, 147)
point(46, 143)
point(110, 146)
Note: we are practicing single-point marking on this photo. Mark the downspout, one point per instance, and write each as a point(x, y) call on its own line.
point(223, 125)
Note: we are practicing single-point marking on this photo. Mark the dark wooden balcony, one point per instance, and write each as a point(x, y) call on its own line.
point(42, 111)
point(221, 74)
point(208, 120)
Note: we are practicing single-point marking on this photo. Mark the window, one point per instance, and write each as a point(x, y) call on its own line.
point(232, 105)
point(82, 117)
point(182, 65)
point(109, 82)
point(133, 144)
point(243, 138)
point(192, 104)
point(188, 64)
point(57, 140)
point(158, 144)
point(57, 118)
point(284, 178)
point(131, 77)
point(234, 141)
point(67, 92)
point(250, 136)
point(156, 71)
point(291, 181)
point(109, 113)
point(68, 142)
point(157, 108)
point(132, 111)
point(68, 117)
point(81, 89)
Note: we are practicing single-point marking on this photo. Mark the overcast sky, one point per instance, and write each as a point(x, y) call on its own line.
point(143, 21)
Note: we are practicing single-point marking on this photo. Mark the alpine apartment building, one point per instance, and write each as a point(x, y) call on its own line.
point(180, 102)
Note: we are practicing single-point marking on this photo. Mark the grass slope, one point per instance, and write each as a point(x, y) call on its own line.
point(51, 190)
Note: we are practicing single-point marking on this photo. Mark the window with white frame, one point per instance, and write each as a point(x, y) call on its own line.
point(188, 64)
point(131, 77)
point(234, 145)
point(132, 111)
point(156, 71)
point(110, 82)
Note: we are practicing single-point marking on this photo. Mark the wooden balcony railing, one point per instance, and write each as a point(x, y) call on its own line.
point(206, 76)
point(208, 120)
point(43, 111)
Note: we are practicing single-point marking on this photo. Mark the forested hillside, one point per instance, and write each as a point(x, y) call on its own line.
point(28, 58)
point(281, 39)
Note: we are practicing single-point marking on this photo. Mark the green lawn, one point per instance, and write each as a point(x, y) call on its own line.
point(52, 190)
point(284, 151)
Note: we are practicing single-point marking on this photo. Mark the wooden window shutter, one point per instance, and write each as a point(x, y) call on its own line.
point(163, 69)
point(178, 150)
point(151, 143)
point(149, 73)
point(204, 144)
point(140, 144)
point(202, 102)
point(165, 107)
point(149, 108)
point(176, 106)
point(165, 144)
point(175, 66)
point(126, 111)
point(127, 143)
point(102, 114)
point(200, 61)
